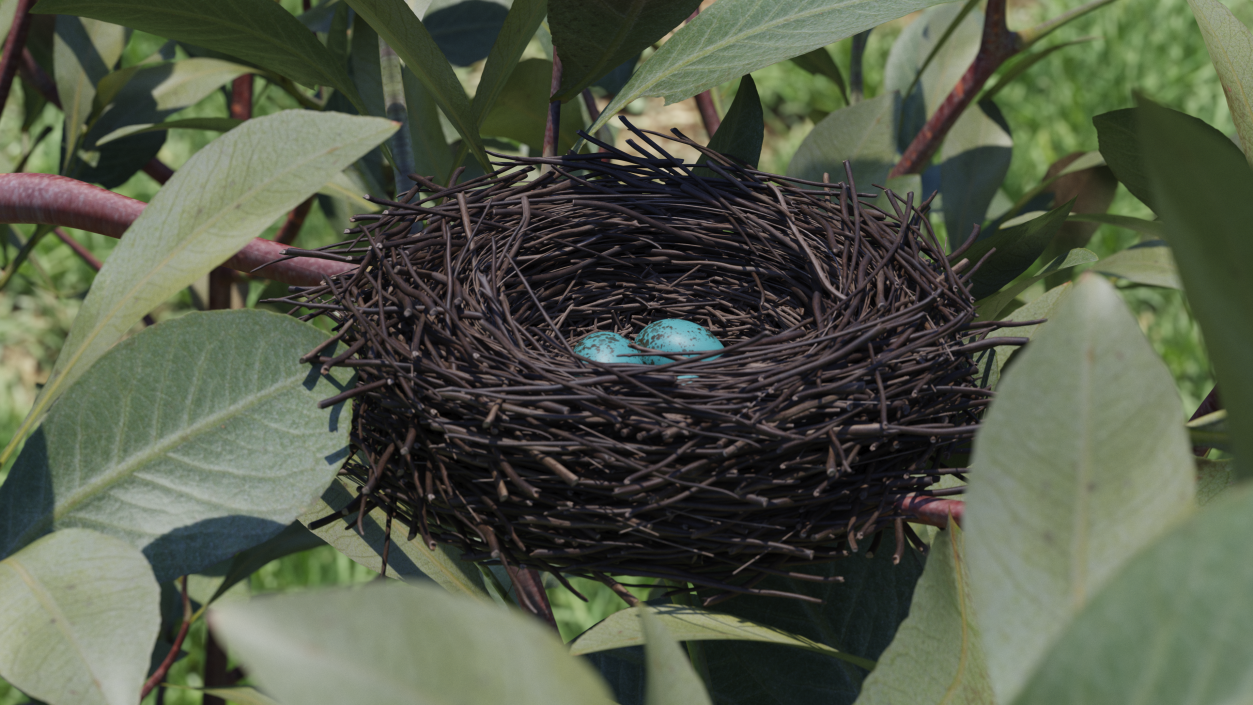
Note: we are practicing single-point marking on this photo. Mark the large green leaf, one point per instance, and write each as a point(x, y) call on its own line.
point(464, 30)
point(295, 538)
point(734, 37)
point(594, 36)
point(909, 52)
point(258, 31)
point(84, 51)
point(990, 308)
point(1171, 627)
point(975, 157)
point(403, 31)
point(858, 616)
point(1017, 246)
point(406, 560)
point(521, 109)
point(937, 656)
point(671, 680)
point(743, 127)
point(1230, 47)
point(863, 133)
point(819, 63)
point(1152, 228)
point(79, 613)
point(226, 194)
point(523, 20)
point(1119, 142)
point(403, 645)
point(1081, 461)
point(432, 156)
point(1150, 264)
point(217, 447)
point(1202, 184)
point(622, 629)
point(992, 362)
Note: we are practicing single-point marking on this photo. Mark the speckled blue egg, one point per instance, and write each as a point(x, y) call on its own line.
point(607, 347)
point(676, 335)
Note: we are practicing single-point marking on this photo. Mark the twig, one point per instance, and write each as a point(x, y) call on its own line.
point(708, 113)
point(164, 668)
point(158, 171)
point(13, 47)
point(998, 44)
point(552, 129)
point(295, 220)
point(931, 510)
point(59, 200)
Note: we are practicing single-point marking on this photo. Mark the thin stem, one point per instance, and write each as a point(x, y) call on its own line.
point(1040, 31)
point(83, 253)
point(295, 220)
point(164, 668)
point(931, 510)
point(708, 112)
point(14, 44)
point(856, 76)
point(552, 129)
point(998, 44)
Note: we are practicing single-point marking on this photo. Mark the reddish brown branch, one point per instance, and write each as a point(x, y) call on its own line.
point(552, 129)
point(998, 45)
point(158, 171)
point(932, 510)
point(708, 113)
point(14, 45)
point(164, 668)
point(59, 200)
point(295, 220)
point(83, 253)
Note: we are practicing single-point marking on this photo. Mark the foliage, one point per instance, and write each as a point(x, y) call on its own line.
point(1092, 565)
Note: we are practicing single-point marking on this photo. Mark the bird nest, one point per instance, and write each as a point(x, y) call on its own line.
point(846, 380)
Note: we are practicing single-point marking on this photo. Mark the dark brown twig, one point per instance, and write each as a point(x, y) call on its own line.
point(552, 128)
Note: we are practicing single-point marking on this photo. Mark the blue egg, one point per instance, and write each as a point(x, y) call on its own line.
point(676, 335)
point(607, 347)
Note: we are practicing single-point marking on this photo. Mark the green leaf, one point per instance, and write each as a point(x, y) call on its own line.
point(258, 31)
point(293, 539)
point(1119, 141)
point(366, 72)
point(671, 679)
point(1017, 248)
point(403, 31)
point(743, 128)
point(465, 30)
point(402, 644)
point(976, 157)
point(595, 36)
point(1152, 228)
point(521, 24)
point(819, 63)
point(1149, 264)
point(990, 308)
point(734, 37)
point(521, 111)
point(864, 134)
point(432, 156)
point(1230, 47)
point(916, 42)
point(219, 447)
point(1202, 184)
point(240, 694)
point(79, 612)
point(937, 656)
point(1171, 627)
point(1211, 431)
point(622, 629)
point(406, 560)
point(1213, 479)
point(1080, 462)
point(84, 51)
point(1042, 307)
point(858, 616)
point(226, 194)
point(144, 95)
point(211, 124)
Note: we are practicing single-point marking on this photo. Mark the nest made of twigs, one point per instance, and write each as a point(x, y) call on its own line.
point(846, 378)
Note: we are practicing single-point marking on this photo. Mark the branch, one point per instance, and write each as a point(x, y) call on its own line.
point(708, 113)
point(14, 45)
point(164, 668)
point(552, 129)
point(998, 44)
point(932, 511)
point(59, 200)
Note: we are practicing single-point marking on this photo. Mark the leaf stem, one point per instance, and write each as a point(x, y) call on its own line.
point(552, 128)
point(164, 668)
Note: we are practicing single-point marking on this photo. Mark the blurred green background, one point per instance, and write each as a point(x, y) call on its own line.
point(1152, 46)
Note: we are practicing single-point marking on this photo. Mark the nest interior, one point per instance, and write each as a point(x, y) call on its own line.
point(846, 377)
